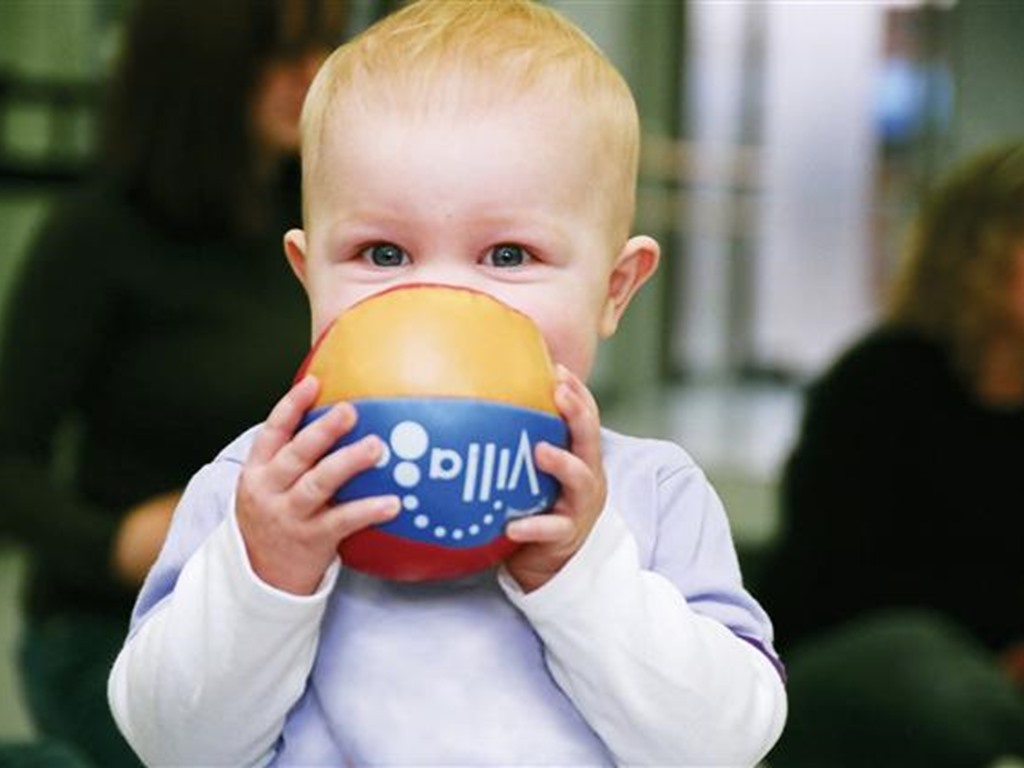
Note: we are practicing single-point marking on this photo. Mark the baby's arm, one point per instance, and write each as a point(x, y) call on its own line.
point(210, 673)
point(659, 682)
point(635, 646)
point(220, 653)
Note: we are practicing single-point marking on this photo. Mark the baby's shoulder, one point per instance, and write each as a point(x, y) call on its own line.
point(661, 493)
point(630, 455)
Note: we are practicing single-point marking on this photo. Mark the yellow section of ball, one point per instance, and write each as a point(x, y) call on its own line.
point(434, 341)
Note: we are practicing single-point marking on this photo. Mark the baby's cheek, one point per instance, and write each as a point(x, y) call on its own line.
point(575, 352)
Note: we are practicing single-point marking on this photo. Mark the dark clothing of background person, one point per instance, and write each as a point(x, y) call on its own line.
point(896, 582)
point(130, 356)
point(140, 354)
point(903, 491)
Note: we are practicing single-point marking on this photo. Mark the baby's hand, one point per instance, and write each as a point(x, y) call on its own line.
point(550, 540)
point(290, 526)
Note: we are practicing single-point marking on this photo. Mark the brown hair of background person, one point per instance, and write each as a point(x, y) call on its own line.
point(961, 256)
point(183, 96)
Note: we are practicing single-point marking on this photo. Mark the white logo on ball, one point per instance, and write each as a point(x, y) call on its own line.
point(485, 469)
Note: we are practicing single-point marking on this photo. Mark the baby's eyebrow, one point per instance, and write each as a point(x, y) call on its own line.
point(365, 224)
point(524, 226)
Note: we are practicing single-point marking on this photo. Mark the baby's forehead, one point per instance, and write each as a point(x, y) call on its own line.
point(456, 91)
point(455, 105)
point(541, 132)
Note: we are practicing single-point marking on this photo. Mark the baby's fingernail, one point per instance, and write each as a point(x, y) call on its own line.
point(390, 505)
point(513, 531)
point(374, 445)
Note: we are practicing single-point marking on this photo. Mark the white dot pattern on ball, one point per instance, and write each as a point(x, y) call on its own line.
point(422, 521)
point(407, 474)
point(409, 440)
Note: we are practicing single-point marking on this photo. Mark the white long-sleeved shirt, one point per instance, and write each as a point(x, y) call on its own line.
point(644, 650)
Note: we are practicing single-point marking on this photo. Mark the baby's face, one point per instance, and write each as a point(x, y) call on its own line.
point(501, 202)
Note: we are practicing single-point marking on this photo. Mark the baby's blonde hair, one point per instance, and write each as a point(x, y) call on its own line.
point(433, 51)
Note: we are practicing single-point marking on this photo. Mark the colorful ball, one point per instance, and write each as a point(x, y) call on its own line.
point(460, 388)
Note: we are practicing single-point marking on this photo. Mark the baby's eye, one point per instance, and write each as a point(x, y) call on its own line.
point(386, 255)
point(508, 255)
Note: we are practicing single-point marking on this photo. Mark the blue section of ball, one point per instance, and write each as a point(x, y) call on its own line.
point(463, 468)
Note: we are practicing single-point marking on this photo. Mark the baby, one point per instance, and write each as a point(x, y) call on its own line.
point(485, 145)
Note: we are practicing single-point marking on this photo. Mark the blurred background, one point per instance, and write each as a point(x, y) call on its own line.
point(787, 144)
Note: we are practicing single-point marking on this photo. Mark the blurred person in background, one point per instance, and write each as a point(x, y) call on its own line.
point(896, 588)
point(127, 355)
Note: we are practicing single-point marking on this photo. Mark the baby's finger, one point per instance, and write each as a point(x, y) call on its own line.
point(541, 529)
point(343, 520)
point(579, 409)
point(576, 385)
point(283, 420)
point(309, 445)
point(315, 487)
point(571, 471)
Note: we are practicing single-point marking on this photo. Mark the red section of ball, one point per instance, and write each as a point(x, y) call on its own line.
point(382, 554)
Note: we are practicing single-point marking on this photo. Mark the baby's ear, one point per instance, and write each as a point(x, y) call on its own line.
point(633, 267)
point(295, 251)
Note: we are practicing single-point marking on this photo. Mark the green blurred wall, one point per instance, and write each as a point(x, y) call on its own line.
point(62, 39)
